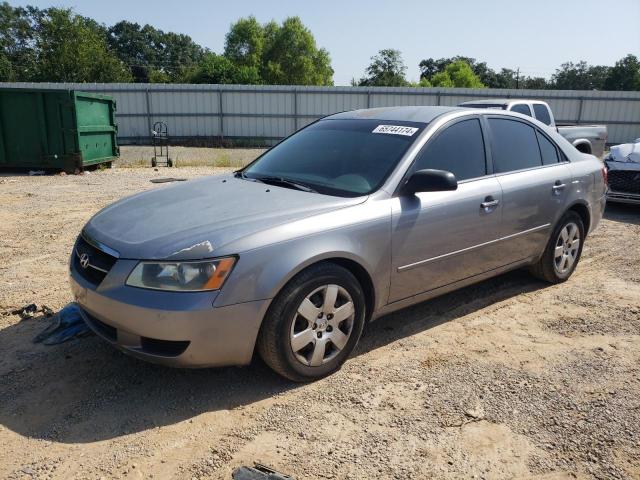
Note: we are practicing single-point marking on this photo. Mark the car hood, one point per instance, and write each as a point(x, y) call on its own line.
point(194, 219)
point(613, 165)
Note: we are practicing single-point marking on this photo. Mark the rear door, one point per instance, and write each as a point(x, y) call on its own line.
point(535, 180)
point(441, 237)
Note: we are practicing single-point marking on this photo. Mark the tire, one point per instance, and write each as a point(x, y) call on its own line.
point(561, 255)
point(284, 328)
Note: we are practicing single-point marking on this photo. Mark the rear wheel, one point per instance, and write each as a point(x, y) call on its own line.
point(313, 324)
point(562, 254)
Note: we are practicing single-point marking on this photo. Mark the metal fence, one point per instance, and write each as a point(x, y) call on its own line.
point(268, 113)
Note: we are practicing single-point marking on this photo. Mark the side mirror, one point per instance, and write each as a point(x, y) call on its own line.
point(430, 181)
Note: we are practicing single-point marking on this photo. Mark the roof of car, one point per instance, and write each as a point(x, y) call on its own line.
point(494, 101)
point(499, 101)
point(408, 114)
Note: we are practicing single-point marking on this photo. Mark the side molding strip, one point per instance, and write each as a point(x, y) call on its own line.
point(404, 268)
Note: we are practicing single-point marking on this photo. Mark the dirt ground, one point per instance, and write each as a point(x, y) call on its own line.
point(138, 156)
point(509, 378)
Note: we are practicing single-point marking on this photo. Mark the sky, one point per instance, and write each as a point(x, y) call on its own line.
point(535, 36)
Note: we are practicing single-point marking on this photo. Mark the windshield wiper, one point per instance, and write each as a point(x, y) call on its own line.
point(283, 182)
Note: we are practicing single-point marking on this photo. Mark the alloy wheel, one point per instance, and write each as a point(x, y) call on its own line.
point(322, 325)
point(567, 247)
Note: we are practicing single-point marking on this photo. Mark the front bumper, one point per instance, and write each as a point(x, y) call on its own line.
point(622, 197)
point(170, 328)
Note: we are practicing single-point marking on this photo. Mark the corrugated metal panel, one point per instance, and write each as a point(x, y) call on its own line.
point(273, 112)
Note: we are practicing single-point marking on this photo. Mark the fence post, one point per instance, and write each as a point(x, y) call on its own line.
point(295, 109)
point(147, 95)
point(220, 115)
point(580, 111)
point(368, 98)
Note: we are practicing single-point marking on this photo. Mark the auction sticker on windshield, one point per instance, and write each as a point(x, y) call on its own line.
point(395, 130)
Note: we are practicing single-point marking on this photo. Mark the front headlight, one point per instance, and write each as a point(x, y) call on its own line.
point(189, 276)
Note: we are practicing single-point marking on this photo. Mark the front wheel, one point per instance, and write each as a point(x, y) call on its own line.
point(562, 254)
point(313, 324)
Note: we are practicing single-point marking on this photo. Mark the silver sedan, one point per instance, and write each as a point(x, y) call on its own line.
point(355, 216)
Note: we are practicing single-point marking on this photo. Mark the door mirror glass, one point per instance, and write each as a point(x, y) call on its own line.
point(430, 180)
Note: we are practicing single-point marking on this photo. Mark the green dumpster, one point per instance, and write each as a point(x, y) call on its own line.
point(56, 129)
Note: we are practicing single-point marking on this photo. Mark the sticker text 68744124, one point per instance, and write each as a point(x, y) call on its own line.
point(395, 130)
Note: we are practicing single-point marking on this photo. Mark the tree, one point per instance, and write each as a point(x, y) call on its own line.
point(244, 44)
point(152, 54)
point(387, 69)
point(457, 74)
point(430, 67)
point(624, 75)
point(579, 76)
point(290, 56)
point(71, 48)
point(219, 69)
point(535, 83)
point(17, 37)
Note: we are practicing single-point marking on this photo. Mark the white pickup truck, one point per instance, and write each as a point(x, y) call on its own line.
point(586, 138)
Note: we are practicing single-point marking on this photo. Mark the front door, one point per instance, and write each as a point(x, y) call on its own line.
point(441, 237)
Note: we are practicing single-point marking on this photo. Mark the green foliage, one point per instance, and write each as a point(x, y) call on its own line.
point(387, 69)
point(624, 75)
point(457, 74)
point(244, 43)
point(71, 48)
point(272, 54)
point(219, 69)
point(291, 57)
point(506, 78)
point(153, 55)
point(424, 83)
point(579, 76)
point(17, 36)
point(56, 44)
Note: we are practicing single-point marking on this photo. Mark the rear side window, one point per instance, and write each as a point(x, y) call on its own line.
point(458, 149)
point(522, 108)
point(542, 113)
point(548, 150)
point(513, 145)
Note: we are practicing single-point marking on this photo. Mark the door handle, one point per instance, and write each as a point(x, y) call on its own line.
point(558, 187)
point(489, 203)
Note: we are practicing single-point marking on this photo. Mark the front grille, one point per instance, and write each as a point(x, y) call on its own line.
point(624, 181)
point(165, 348)
point(99, 262)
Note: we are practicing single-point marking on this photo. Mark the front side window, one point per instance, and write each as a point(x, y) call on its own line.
point(458, 149)
point(522, 108)
point(513, 145)
point(542, 113)
point(548, 150)
point(339, 157)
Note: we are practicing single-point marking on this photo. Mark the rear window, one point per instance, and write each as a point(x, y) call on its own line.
point(339, 157)
point(522, 108)
point(542, 113)
point(513, 145)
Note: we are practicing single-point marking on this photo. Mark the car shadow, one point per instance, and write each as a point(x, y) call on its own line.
point(86, 391)
point(623, 213)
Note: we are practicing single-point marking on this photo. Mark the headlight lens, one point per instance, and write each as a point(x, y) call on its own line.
point(195, 276)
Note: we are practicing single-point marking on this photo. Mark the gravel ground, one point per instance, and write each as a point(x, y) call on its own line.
point(507, 378)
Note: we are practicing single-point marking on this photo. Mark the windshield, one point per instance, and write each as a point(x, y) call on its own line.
point(338, 157)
